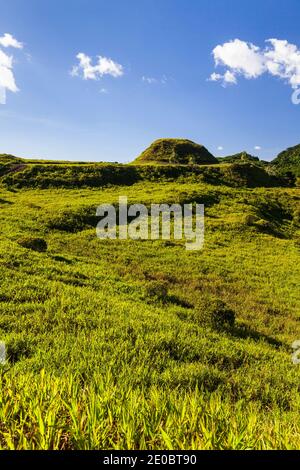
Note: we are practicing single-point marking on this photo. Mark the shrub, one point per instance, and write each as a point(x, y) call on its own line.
point(215, 314)
point(250, 219)
point(265, 226)
point(18, 348)
point(74, 220)
point(36, 244)
point(157, 290)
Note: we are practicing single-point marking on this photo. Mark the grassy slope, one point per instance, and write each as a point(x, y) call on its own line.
point(288, 160)
point(96, 363)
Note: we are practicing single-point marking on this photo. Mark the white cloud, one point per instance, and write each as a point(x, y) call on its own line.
point(227, 78)
point(7, 79)
point(283, 60)
point(220, 147)
point(104, 91)
point(149, 80)
point(257, 147)
point(215, 77)
point(2, 95)
point(104, 66)
point(241, 57)
point(9, 41)
point(152, 81)
point(279, 58)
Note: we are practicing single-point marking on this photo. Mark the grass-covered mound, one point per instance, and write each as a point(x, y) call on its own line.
point(178, 151)
point(6, 158)
point(288, 161)
point(241, 157)
point(8, 163)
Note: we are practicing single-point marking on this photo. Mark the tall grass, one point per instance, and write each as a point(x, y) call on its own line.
point(96, 361)
point(48, 412)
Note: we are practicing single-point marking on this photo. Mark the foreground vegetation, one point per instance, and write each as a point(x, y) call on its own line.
point(142, 344)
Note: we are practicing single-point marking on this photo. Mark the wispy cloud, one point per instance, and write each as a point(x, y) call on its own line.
point(152, 80)
point(7, 79)
point(257, 147)
point(104, 66)
point(278, 58)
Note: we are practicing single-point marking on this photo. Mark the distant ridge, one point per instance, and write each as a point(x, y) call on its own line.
point(239, 158)
point(176, 151)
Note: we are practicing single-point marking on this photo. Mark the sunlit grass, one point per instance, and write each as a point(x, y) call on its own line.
point(95, 361)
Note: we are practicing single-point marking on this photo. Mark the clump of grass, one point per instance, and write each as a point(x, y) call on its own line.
point(31, 243)
point(214, 313)
point(250, 219)
point(73, 220)
point(18, 348)
point(156, 291)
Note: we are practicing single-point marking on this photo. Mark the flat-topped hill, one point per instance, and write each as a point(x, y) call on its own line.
point(176, 151)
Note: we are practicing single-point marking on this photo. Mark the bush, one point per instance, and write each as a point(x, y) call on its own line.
point(74, 220)
point(267, 227)
point(250, 219)
point(157, 290)
point(17, 349)
point(35, 244)
point(215, 314)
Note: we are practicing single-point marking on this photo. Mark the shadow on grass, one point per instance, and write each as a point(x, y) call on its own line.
point(173, 299)
point(4, 201)
point(244, 331)
point(62, 259)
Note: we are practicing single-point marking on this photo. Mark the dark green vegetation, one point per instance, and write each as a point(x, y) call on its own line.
point(99, 175)
point(142, 344)
point(238, 158)
point(176, 151)
point(288, 161)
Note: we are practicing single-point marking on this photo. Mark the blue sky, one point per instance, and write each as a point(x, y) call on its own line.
point(114, 115)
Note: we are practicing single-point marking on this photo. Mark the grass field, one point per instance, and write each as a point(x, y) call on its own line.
point(111, 343)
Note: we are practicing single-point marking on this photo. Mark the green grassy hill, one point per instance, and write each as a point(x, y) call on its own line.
point(241, 157)
point(176, 151)
point(140, 344)
point(288, 161)
point(9, 159)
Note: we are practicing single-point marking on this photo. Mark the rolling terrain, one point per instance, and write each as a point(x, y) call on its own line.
point(141, 344)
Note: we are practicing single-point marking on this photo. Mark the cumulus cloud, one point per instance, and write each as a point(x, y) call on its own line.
point(283, 60)
point(103, 66)
point(279, 58)
point(9, 41)
point(7, 79)
point(220, 147)
point(241, 57)
point(257, 147)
